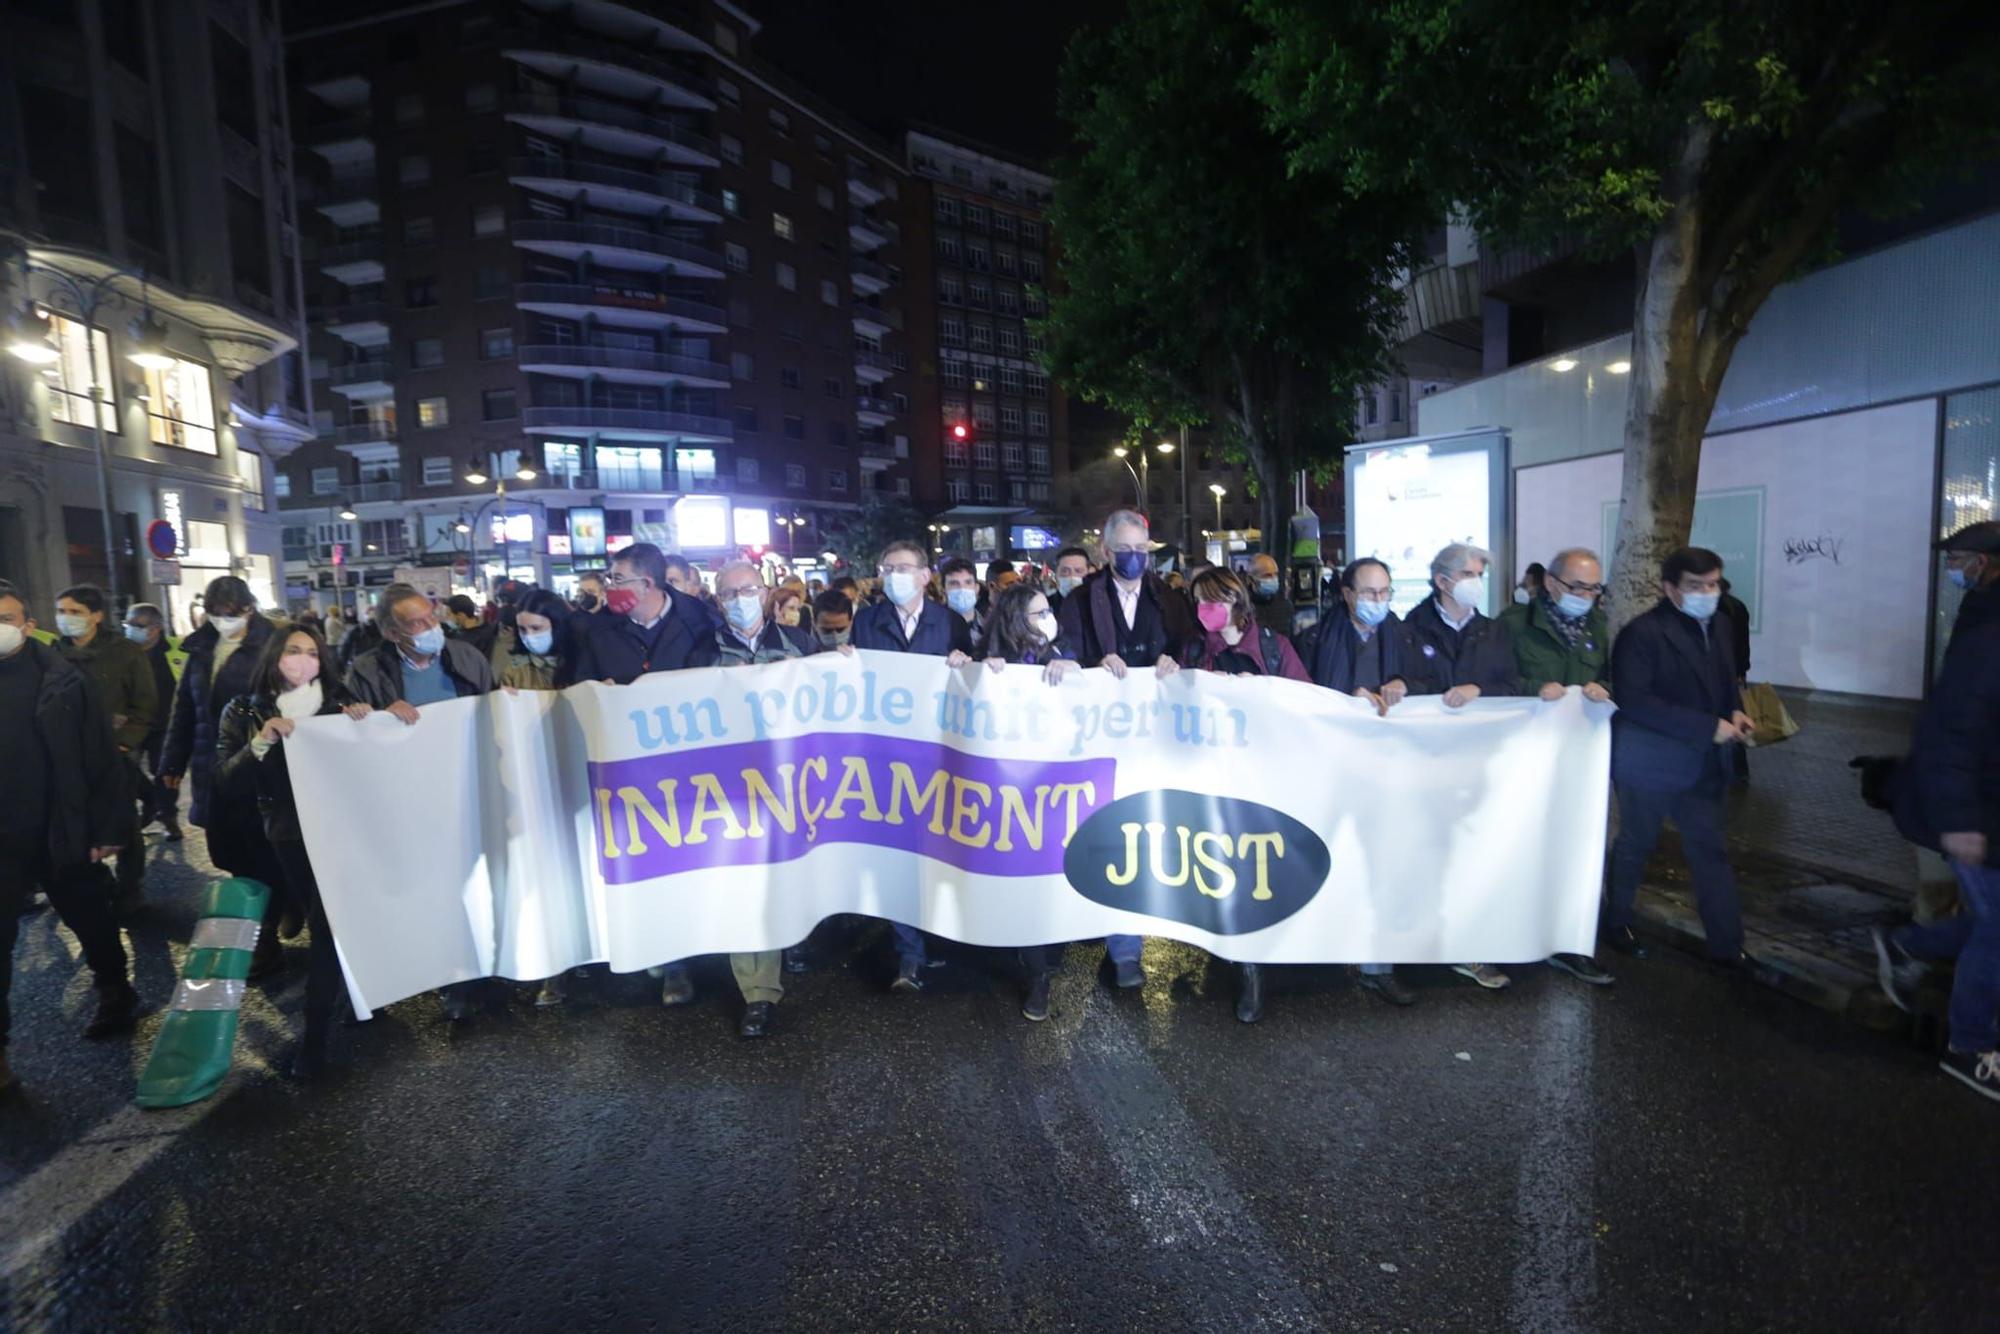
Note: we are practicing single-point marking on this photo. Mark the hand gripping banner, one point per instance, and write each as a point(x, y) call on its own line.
point(726, 809)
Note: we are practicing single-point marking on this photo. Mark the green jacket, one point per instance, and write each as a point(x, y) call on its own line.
point(1542, 655)
point(124, 680)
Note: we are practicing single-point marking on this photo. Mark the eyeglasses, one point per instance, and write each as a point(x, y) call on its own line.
point(886, 570)
point(1375, 594)
point(1588, 590)
point(624, 580)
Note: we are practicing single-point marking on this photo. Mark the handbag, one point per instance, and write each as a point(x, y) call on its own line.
point(1774, 722)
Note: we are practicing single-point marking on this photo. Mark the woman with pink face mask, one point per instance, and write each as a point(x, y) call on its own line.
point(291, 682)
point(1233, 643)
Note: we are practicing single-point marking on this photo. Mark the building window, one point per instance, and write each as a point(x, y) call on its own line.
point(1038, 421)
point(948, 251)
point(729, 93)
point(788, 376)
point(496, 344)
point(325, 481)
point(1033, 301)
point(420, 292)
point(829, 292)
point(902, 487)
point(744, 416)
point(725, 39)
point(1395, 405)
point(283, 486)
point(781, 226)
point(979, 293)
point(951, 331)
point(824, 194)
point(1003, 223)
point(497, 405)
point(69, 389)
point(951, 374)
point(179, 408)
point(490, 283)
point(1368, 407)
point(433, 412)
point(419, 231)
point(1010, 379)
point(742, 366)
point(481, 97)
point(950, 292)
point(426, 353)
point(795, 426)
point(982, 337)
point(780, 123)
point(437, 470)
point(977, 257)
point(836, 481)
point(1034, 343)
point(736, 256)
point(1010, 455)
point(957, 491)
point(836, 434)
point(1010, 341)
point(788, 277)
point(732, 149)
point(740, 314)
point(1004, 263)
point(250, 467)
point(1031, 268)
point(732, 203)
point(748, 472)
point(489, 220)
point(946, 210)
point(1038, 457)
point(795, 476)
point(1010, 302)
point(984, 454)
point(414, 169)
point(1031, 232)
point(1010, 419)
point(410, 109)
point(781, 174)
point(987, 493)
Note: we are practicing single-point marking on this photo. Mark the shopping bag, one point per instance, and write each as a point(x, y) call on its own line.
point(1774, 721)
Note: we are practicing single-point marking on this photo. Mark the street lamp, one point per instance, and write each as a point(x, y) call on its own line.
point(33, 341)
point(1138, 484)
point(347, 512)
point(1218, 490)
point(791, 525)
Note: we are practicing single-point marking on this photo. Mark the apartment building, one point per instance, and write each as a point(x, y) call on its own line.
point(148, 262)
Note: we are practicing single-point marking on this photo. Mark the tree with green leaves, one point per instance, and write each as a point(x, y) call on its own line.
point(859, 536)
point(1715, 142)
point(1202, 282)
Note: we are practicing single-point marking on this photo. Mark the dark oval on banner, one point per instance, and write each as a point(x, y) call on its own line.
point(1222, 864)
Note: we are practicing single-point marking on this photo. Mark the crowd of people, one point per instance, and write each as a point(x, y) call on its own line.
point(107, 738)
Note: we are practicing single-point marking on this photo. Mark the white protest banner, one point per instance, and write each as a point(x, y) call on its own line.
point(724, 809)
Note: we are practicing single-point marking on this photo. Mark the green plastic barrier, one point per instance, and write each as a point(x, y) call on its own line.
point(192, 1053)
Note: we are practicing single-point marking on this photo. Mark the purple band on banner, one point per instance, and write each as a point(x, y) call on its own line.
point(772, 801)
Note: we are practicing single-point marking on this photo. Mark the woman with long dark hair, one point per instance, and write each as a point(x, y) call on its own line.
point(292, 680)
point(534, 652)
point(1022, 629)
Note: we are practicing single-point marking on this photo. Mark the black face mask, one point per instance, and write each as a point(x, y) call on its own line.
point(586, 601)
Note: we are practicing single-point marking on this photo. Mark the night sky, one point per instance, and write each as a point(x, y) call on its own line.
point(986, 71)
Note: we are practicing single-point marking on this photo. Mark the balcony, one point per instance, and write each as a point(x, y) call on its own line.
point(621, 69)
point(361, 435)
point(355, 263)
point(873, 367)
point(350, 198)
point(362, 323)
point(616, 188)
point(870, 277)
point(344, 142)
point(630, 423)
point(623, 307)
point(612, 127)
point(872, 410)
point(862, 186)
point(876, 455)
point(617, 247)
point(874, 321)
point(348, 92)
point(354, 493)
point(621, 364)
point(869, 232)
point(363, 381)
point(361, 493)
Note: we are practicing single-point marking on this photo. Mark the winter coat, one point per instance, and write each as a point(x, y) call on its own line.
point(939, 630)
point(616, 648)
point(198, 705)
point(1542, 655)
point(775, 643)
point(1090, 618)
point(376, 678)
point(125, 684)
point(242, 780)
point(1268, 654)
point(1672, 688)
point(1436, 658)
point(1951, 782)
point(1336, 644)
point(89, 799)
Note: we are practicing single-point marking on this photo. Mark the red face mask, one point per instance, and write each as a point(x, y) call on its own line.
point(621, 601)
point(1212, 615)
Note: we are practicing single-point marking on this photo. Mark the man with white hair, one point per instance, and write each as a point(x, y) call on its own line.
point(1122, 617)
point(1560, 640)
point(1452, 648)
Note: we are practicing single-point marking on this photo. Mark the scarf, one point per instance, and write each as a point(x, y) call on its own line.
point(1570, 629)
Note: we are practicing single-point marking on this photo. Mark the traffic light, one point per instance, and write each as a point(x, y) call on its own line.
point(960, 431)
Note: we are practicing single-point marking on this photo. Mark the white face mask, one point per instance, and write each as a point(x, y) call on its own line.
point(229, 626)
point(1470, 593)
point(901, 586)
point(72, 627)
point(1046, 626)
point(11, 639)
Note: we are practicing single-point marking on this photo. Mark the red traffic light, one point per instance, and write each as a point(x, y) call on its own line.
point(960, 431)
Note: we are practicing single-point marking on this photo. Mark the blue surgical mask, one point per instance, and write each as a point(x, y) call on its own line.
point(900, 585)
point(136, 633)
point(1371, 613)
point(1575, 606)
point(1067, 584)
point(71, 627)
point(961, 600)
point(1701, 606)
point(743, 610)
point(1959, 578)
point(539, 644)
point(1130, 564)
point(834, 638)
point(430, 643)
point(1267, 588)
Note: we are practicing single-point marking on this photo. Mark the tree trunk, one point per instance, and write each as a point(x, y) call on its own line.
point(1664, 419)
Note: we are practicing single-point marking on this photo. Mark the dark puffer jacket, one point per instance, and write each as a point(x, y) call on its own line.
point(90, 805)
point(242, 778)
point(198, 705)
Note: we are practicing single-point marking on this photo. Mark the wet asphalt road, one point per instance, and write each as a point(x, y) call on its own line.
point(1681, 1152)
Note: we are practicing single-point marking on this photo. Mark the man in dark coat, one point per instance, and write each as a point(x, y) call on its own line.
point(1451, 647)
point(416, 663)
point(1360, 653)
point(125, 687)
point(1267, 594)
point(1122, 617)
point(647, 626)
point(1680, 714)
point(221, 660)
point(906, 621)
point(64, 807)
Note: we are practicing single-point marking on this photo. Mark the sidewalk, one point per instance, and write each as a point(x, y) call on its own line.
point(1816, 867)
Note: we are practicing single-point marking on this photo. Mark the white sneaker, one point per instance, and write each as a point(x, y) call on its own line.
point(1485, 974)
point(1978, 1071)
